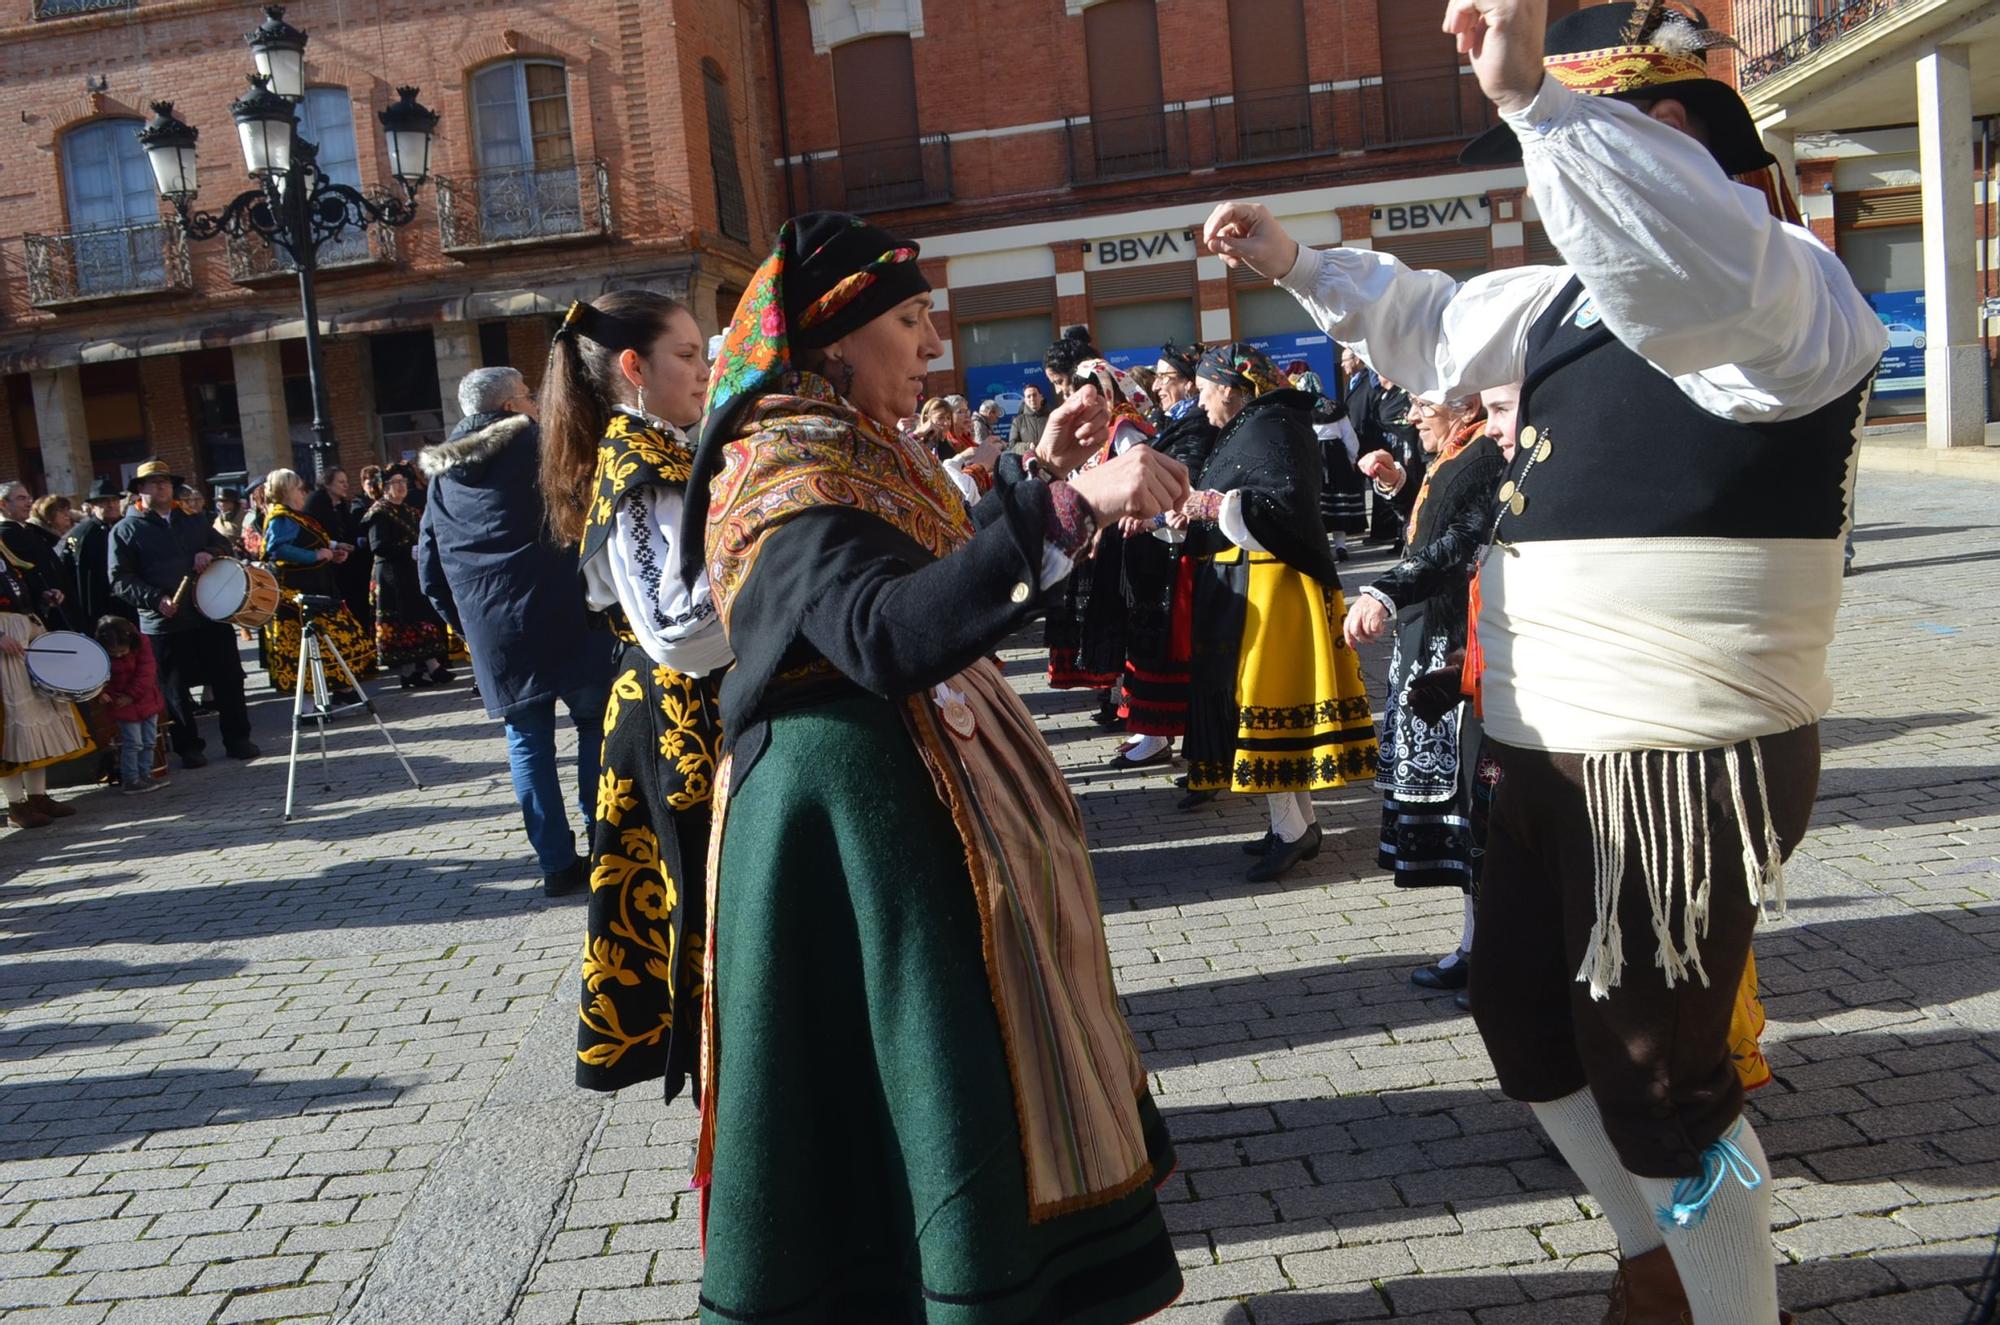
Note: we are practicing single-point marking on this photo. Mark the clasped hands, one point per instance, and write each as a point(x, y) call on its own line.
point(1137, 485)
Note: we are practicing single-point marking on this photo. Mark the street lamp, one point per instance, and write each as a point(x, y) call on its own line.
point(295, 208)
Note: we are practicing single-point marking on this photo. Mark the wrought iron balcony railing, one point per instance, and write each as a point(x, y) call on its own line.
point(524, 205)
point(1128, 144)
point(107, 263)
point(1777, 34)
point(252, 258)
point(877, 177)
point(1276, 125)
point(1411, 109)
point(71, 8)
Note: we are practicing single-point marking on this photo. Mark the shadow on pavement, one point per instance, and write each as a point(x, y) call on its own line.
point(370, 893)
point(1925, 794)
point(1847, 733)
point(88, 1115)
point(26, 984)
point(54, 1038)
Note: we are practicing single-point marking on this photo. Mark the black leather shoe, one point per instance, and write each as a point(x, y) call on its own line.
point(1455, 976)
point(1260, 846)
point(194, 759)
point(443, 676)
point(1464, 1000)
point(243, 750)
point(563, 882)
point(1283, 855)
point(1163, 755)
point(1194, 800)
point(1106, 717)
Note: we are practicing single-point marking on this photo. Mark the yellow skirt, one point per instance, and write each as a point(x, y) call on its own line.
point(1296, 717)
point(280, 647)
point(1746, 1029)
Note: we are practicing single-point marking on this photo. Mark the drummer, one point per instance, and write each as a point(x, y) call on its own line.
point(154, 561)
point(35, 730)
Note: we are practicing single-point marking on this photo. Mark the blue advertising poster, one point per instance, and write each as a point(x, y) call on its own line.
point(1004, 381)
point(1902, 370)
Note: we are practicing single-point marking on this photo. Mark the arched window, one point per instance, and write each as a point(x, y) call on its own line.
point(730, 211)
point(528, 180)
point(113, 207)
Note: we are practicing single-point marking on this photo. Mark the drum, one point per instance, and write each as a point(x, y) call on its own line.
point(239, 592)
point(65, 665)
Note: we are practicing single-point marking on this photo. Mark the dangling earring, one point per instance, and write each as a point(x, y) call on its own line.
point(846, 371)
point(642, 402)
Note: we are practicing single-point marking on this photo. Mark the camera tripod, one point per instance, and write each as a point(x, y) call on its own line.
point(314, 650)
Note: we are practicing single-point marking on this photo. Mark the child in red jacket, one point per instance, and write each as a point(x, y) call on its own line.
point(132, 699)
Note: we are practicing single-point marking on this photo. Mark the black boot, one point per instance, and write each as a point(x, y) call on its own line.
point(1439, 976)
point(1283, 855)
point(564, 881)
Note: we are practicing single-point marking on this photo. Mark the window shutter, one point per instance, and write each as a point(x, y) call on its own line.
point(875, 100)
point(1879, 207)
point(1003, 298)
point(1159, 280)
point(731, 213)
point(1449, 250)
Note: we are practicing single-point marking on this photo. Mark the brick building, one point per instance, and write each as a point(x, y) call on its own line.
point(583, 146)
point(1056, 156)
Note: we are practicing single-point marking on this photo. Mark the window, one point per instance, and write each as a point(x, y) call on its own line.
point(408, 404)
point(1887, 263)
point(1269, 311)
point(529, 184)
point(210, 376)
point(1145, 326)
point(1267, 59)
point(114, 209)
point(1004, 340)
point(730, 211)
point(326, 118)
point(875, 100)
point(494, 351)
point(1127, 112)
point(1423, 97)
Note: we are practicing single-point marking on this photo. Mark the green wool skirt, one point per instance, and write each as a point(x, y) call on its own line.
point(867, 1161)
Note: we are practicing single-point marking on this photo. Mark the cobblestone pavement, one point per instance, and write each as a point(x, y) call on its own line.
point(322, 1072)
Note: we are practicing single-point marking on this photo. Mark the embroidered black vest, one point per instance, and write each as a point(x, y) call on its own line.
point(1629, 456)
point(633, 455)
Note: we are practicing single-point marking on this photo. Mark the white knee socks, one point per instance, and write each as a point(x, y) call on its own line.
point(28, 782)
point(1577, 1128)
point(1291, 814)
point(1721, 1240)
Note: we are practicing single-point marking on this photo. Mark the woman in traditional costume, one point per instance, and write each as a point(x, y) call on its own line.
point(1158, 581)
point(1427, 767)
point(1277, 702)
point(305, 555)
point(36, 731)
point(920, 1101)
point(625, 382)
point(409, 634)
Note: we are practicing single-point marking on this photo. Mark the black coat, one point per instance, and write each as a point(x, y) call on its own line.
point(86, 550)
point(487, 563)
point(37, 546)
point(1270, 453)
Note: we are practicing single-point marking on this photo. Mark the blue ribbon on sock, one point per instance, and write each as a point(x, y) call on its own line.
point(1692, 1196)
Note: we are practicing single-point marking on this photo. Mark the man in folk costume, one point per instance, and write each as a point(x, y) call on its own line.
point(1655, 613)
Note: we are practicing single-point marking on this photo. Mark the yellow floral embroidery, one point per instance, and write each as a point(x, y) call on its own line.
point(614, 797)
point(626, 687)
point(682, 744)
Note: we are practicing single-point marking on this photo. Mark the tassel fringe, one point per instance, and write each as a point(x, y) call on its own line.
point(1662, 816)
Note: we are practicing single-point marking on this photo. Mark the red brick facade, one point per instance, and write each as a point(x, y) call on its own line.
point(636, 99)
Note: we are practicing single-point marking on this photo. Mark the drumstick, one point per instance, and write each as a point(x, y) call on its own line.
point(180, 594)
point(52, 648)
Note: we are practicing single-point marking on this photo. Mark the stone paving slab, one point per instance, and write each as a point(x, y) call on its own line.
point(319, 1072)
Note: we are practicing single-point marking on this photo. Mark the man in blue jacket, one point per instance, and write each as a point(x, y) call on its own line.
point(485, 561)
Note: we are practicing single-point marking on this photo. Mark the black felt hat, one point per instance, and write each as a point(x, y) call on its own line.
point(1641, 52)
point(104, 490)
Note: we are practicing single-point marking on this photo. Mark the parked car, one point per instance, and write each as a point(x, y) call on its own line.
point(1010, 402)
point(1903, 336)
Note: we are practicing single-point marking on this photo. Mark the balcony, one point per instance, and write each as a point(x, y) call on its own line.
point(253, 260)
point(1127, 144)
point(877, 177)
point(1409, 110)
point(1276, 125)
point(1778, 34)
point(112, 263)
point(515, 205)
point(72, 8)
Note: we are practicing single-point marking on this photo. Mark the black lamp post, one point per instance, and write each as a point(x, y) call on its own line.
point(295, 207)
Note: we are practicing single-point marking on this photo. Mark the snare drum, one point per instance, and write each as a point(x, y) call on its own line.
point(65, 665)
point(239, 592)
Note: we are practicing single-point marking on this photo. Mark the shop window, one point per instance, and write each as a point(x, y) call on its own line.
point(1269, 312)
point(1145, 326)
point(1887, 263)
point(407, 402)
point(1004, 340)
